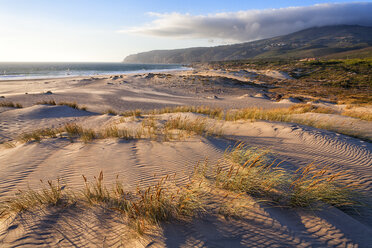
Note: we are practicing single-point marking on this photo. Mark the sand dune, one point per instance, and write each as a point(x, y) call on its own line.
point(143, 162)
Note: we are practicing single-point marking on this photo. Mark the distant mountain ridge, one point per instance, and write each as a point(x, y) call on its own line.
point(311, 42)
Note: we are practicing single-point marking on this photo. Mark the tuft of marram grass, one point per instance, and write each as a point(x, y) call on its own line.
point(47, 102)
point(88, 135)
point(73, 105)
point(279, 114)
point(39, 134)
point(114, 132)
point(134, 113)
point(367, 116)
point(302, 108)
point(95, 192)
point(205, 110)
point(197, 126)
point(73, 130)
point(10, 105)
point(52, 194)
point(248, 170)
point(163, 201)
point(174, 129)
point(311, 185)
point(111, 112)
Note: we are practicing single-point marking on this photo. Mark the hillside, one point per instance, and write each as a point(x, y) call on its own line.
point(312, 42)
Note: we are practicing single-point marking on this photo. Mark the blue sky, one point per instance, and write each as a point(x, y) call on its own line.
point(80, 30)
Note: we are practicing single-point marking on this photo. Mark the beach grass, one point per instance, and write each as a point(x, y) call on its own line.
point(162, 201)
point(243, 172)
point(134, 113)
point(73, 105)
point(111, 112)
point(290, 114)
point(197, 126)
point(367, 116)
point(10, 105)
point(311, 184)
point(177, 128)
point(52, 194)
point(217, 113)
point(250, 171)
point(47, 102)
point(279, 114)
point(39, 134)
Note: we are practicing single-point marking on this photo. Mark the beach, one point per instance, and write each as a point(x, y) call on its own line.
point(152, 103)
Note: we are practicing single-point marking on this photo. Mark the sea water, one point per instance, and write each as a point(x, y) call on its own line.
point(18, 70)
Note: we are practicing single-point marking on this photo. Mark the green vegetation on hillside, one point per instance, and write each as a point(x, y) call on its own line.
point(348, 73)
point(339, 80)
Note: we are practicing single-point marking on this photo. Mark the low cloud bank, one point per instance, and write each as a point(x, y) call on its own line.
point(255, 24)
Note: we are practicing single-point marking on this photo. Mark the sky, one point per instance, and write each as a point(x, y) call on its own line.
point(109, 30)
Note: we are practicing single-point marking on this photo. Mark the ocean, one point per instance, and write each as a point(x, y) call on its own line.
point(17, 71)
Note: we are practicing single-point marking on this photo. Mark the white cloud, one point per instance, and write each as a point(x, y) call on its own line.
point(254, 24)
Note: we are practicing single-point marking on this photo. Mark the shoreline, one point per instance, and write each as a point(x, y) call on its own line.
point(183, 68)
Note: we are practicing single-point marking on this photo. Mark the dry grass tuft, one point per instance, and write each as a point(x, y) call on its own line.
point(205, 110)
point(10, 105)
point(287, 115)
point(250, 171)
point(312, 185)
point(47, 102)
point(123, 133)
point(280, 114)
point(367, 116)
point(157, 203)
point(197, 126)
point(163, 201)
point(52, 194)
point(39, 134)
point(258, 114)
point(73, 130)
point(95, 192)
point(111, 112)
point(73, 105)
point(76, 131)
point(134, 113)
point(88, 135)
